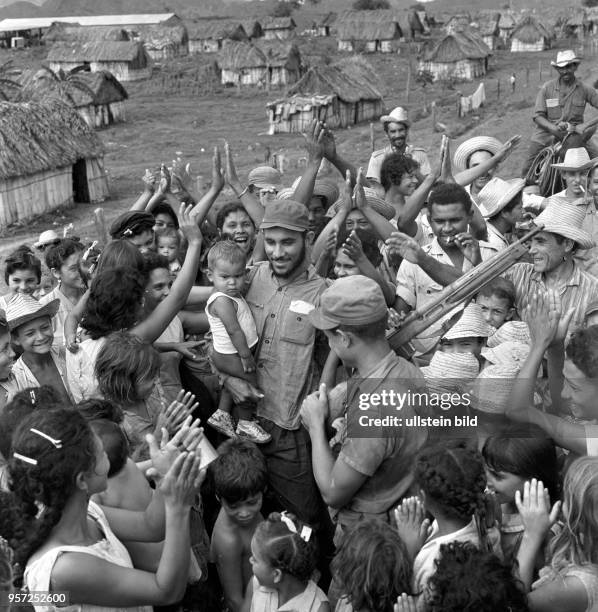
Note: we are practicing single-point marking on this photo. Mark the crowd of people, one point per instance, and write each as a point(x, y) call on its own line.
point(261, 325)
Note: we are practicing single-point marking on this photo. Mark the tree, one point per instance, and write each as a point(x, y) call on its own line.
point(284, 9)
point(7, 83)
point(589, 3)
point(370, 5)
point(63, 84)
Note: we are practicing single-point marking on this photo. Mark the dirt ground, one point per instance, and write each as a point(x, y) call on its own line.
point(176, 112)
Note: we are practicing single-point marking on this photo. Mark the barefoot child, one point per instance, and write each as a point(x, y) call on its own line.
point(239, 475)
point(233, 334)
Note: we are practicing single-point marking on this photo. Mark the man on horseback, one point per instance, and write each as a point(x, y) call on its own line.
point(559, 109)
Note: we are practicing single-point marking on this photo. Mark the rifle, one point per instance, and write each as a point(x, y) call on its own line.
point(464, 288)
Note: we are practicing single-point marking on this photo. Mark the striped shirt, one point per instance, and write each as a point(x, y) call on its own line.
point(579, 290)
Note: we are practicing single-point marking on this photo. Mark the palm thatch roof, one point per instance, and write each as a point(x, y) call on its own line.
point(39, 137)
point(216, 29)
point(351, 80)
point(279, 53)
point(458, 46)
point(488, 24)
point(252, 27)
point(368, 25)
point(592, 13)
point(107, 51)
point(530, 30)
point(69, 32)
point(240, 55)
point(278, 23)
point(99, 88)
point(507, 21)
point(577, 20)
point(326, 20)
point(159, 36)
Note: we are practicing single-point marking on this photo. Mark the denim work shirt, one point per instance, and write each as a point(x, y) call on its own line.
point(556, 105)
point(285, 350)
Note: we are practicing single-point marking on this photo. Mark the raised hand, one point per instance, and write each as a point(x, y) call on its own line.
point(230, 172)
point(182, 482)
point(346, 195)
point(405, 246)
point(217, 172)
point(149, 180)
point(352, 247)
point(469, 246)
point(182, 173)
point(328, 144)
point(405, 603)
point(508, 147)
point(412, 525)
point(313, 141)
point(165, 180)
point(446, 173)
point(358, 192)
point(188, 224)
point(535, 511)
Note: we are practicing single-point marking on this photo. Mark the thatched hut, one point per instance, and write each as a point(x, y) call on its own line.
point(529, 35)
point(127, 61)
point(457, 23)
point(97, 96)
point(49, 157)
point(577, 26)
point(378, 30)
point(341, 94)
point(266, 64)
point(252, 27)
point(506, 25)
point(459, 56)
point(592, 19)
point(163, 42)
point(60, 32)
point(279, 28)
point(211, 36)
point(488, 29)
point(324, 24)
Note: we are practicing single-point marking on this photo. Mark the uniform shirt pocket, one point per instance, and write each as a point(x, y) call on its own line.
point(296, 328)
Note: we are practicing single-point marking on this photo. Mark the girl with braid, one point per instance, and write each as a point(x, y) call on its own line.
point(452, 482)
point(70, 544)
point(283, 560)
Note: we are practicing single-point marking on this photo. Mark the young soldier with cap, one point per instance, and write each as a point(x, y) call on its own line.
point(281, 292)
point(373, 470)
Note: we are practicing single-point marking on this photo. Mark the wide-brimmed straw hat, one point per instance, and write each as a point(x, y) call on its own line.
point(566, 219)
point(496, 194)
point(492, 388)
point(466, 149)
point(265, 177)
point(512, 354)
point(471, 325)
point(323, 188)
point(576, 160)
point(396, 115)
point(381, 206)
point(452, 365)
point(510, 331)
point(46, 238)
point(22, 308)
point(563, 58)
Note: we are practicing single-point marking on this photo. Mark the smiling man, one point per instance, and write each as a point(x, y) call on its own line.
point(552, 265)
point(396, 125)
point(560, 107)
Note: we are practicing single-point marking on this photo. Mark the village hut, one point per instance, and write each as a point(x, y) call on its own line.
point(267, 64)
point(252, 27)
point(506, 25)
point(577, 26)
point(417, 25)
point(279, 28)
point(127, 61)
point(488, 29)
point(529, 35)
point(459, 56)
point(457, 23)
point(376, 30)
point(163, 42)
point(97, 96)
point(324, 24)
point(211, 36)
point(60, 32)
point(341, 94)
point(49, 158)
point(592, 19)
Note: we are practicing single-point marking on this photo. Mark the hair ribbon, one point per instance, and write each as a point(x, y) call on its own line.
point(306, 531)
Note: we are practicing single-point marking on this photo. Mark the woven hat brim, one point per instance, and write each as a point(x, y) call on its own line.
point(380, 206)
point(469, 147)
point(585, 166)
point(48, 310)
point(583, 238)
point(390, 119)
point(505, 198)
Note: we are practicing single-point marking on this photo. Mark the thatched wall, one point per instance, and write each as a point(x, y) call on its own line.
point(281, 34)
point(519, 46)
point(123, 71)
point(490, 41)
point(39, 146)
point(70, 33)
point(103, 115)
point(204, 46)
point(462, 70)
point(163, 42)
point(278, 28)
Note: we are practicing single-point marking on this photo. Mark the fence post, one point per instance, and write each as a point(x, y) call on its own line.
point(408, 80)
point(372, 138)
point(527, 77)
point(540, 70)
point(498, 89)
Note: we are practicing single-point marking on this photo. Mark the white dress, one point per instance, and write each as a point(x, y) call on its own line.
point(38, 573)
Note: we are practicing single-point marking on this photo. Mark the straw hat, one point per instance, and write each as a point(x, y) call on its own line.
point(452, 365)
point(563, 58)
point(512, 354)
point(566, 219)
point(265, 177)
point(511, 331)
point(397, 115)
point(323, 188)
point(492, 388)
point(374, 200)
point(22, 308)
point(466, 149)
point(576, 159)
point(46, 238)
point(470, 325)
point(496, 194)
